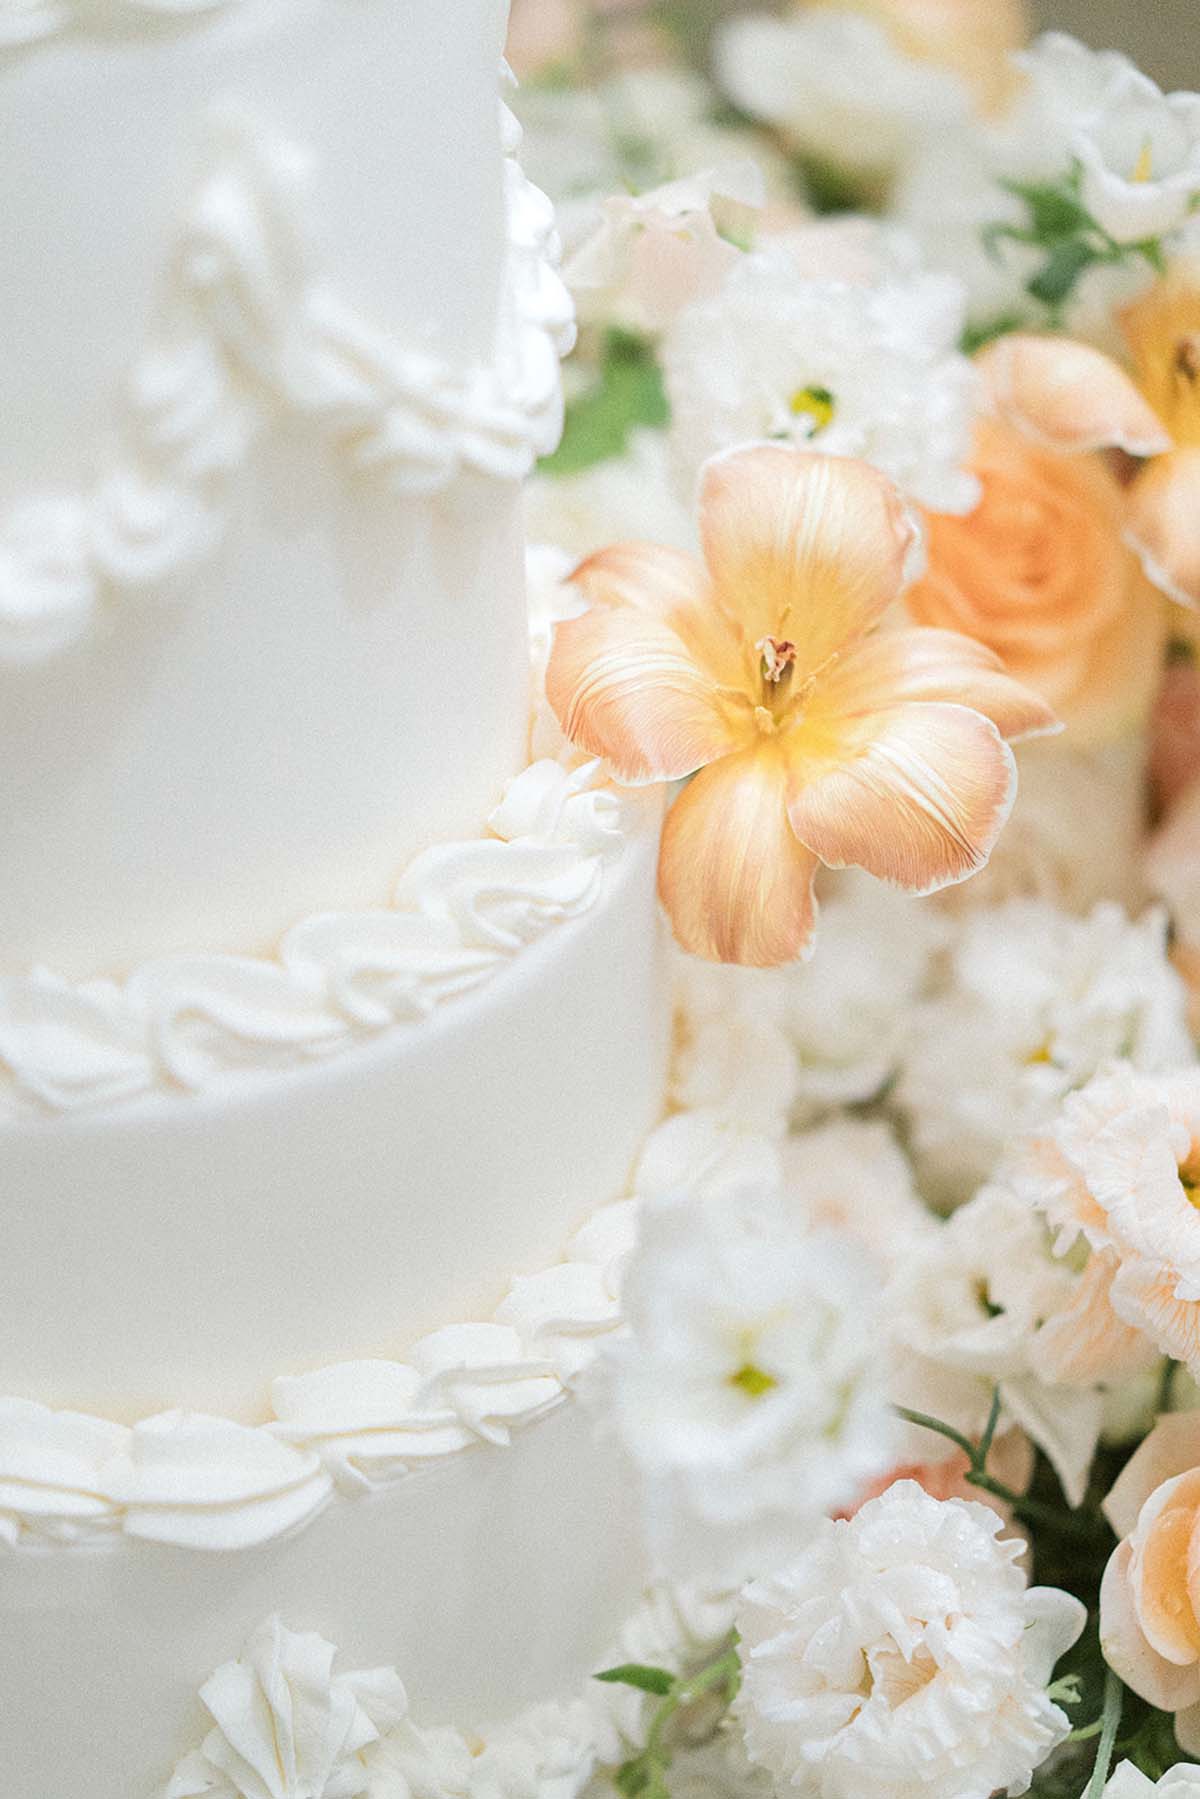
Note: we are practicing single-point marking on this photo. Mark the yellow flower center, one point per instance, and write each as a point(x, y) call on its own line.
point(816, 404)
point(753, 1381)
point(1189, 1176)
point(1143, 168)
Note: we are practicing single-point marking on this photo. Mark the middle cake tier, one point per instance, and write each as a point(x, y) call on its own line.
point(228, 1170)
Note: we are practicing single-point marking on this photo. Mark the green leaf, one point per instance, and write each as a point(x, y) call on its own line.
point(646, 1680)
point(1055, 210)
point(629, 393)
point(1057, 276)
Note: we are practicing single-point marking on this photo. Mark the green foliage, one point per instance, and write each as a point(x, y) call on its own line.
point(646, 1680)
point(1059, 225)
point(627, 393)
point(714, 1686)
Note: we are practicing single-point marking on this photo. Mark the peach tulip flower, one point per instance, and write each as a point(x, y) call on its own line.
point(1041, 571)
point(1150, 1595)
point(815, 738)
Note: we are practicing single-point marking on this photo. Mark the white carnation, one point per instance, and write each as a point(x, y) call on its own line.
point(748, 1389)
point(1031, 1004)
point(838, 87)
point(1128, 1782)
point(902, 1657)
point(549, 1752)
point(864, 369)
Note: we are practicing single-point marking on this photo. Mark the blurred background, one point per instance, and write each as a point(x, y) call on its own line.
point(1163, 36)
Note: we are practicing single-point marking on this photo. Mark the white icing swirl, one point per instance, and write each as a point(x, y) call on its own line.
point(461, 911)
point(284, 1723)
point(246, 327)
point(205, 1483)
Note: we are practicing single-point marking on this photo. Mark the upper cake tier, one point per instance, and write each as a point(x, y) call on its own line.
point(279, 336)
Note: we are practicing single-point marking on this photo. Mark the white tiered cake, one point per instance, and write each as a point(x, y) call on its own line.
point(323, 1018)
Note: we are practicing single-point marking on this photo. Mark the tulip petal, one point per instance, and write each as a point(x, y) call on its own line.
point(1164, 525)
point(1068, 396)
point(1172, 1448)
point(926, 663)
point(736, 884)
point(915, 794)
point(671, 586)
point(625, 687)
point(805, 547)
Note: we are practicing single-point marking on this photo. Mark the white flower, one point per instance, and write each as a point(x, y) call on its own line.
point(748, 1390)
point(902, 1657)
point(548, 1752)
point(838, 86)
point(966, 1311)
point(652, 254)
point(1128, 1782)
point(1032, 1003)
point(615, 501)
point(732, 1053)
point(865, 369)
point(851, 1175)
point(287, 1727)
point(1138, 149)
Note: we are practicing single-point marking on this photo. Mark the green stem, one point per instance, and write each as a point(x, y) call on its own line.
point(1166, 1384)
point(1110, 1723)
point(723, 1671)
point(943, 1430)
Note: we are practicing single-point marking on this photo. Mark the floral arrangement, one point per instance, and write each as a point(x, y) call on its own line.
point(874, 537)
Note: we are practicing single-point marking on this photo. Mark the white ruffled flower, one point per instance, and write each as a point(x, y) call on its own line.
point(868, 369)
point(851, 1175)
point(622, 499)
point(747, 1390)
point(1138, 149)
point(549, 1752)
point(903, 1657)
point(1032, 1003)
point(838, 87)
point(285, 1726)
point(967, 1310)
point(1128, 1782)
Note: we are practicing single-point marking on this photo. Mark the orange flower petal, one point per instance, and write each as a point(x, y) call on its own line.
point(929, 664)
point(736, 884)
point(625, 687)
point(805, 547)
point(1068, 396)
point(915, 794)
point(1126, 1649)
point(671, 586)
point(1164, 525)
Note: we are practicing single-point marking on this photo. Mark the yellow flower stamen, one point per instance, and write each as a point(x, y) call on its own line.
point(1143, 168)
point(753, 1381)
point(816, 404)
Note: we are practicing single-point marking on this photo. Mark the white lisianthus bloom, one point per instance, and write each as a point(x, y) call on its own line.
point(620, 500)
point(748, 1388)
point(1128, 1782)
point(903, 1657)
point(1031, 1004)
point(839, 87)
point(969, 1308)
point(869, 369)
point(1137, 148)
point(851, 1175)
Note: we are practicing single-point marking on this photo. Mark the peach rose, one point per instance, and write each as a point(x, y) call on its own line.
point(1150, 1596)
point(1041, 574)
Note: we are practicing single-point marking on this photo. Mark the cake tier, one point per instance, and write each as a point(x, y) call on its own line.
point(227, 1170)
point(272, 364)
point(494, 1581)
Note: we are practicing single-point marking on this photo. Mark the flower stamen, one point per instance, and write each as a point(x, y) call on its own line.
point(816, 404)
point(755, 1382)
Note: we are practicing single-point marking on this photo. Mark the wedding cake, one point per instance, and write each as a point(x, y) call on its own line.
point(332, 1014)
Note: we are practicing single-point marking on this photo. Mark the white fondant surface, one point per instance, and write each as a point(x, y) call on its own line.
point(183, 1251)
point(494, 1581)
point(343, 678)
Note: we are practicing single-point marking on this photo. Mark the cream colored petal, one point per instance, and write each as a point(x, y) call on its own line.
point(1144, 1294)
point(1068, 396)
point(623, 686)
point(925, 663)
point(804, 547)
point(1158, 1572)
point(1086, 1342)
point(671, 586)
point(1126, 1649)
point(914, 794)
point(736, 884)
point(1164, 527)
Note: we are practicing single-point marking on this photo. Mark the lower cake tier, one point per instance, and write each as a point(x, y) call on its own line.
point(229, 1169)
point(493, 1581)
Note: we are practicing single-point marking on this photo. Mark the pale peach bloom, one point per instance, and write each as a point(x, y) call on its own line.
point(1010, 1462)
point(1150, 1595)
point(975, 40)
point(1119, 1175)
point(812, 738)
point(1041, 573)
